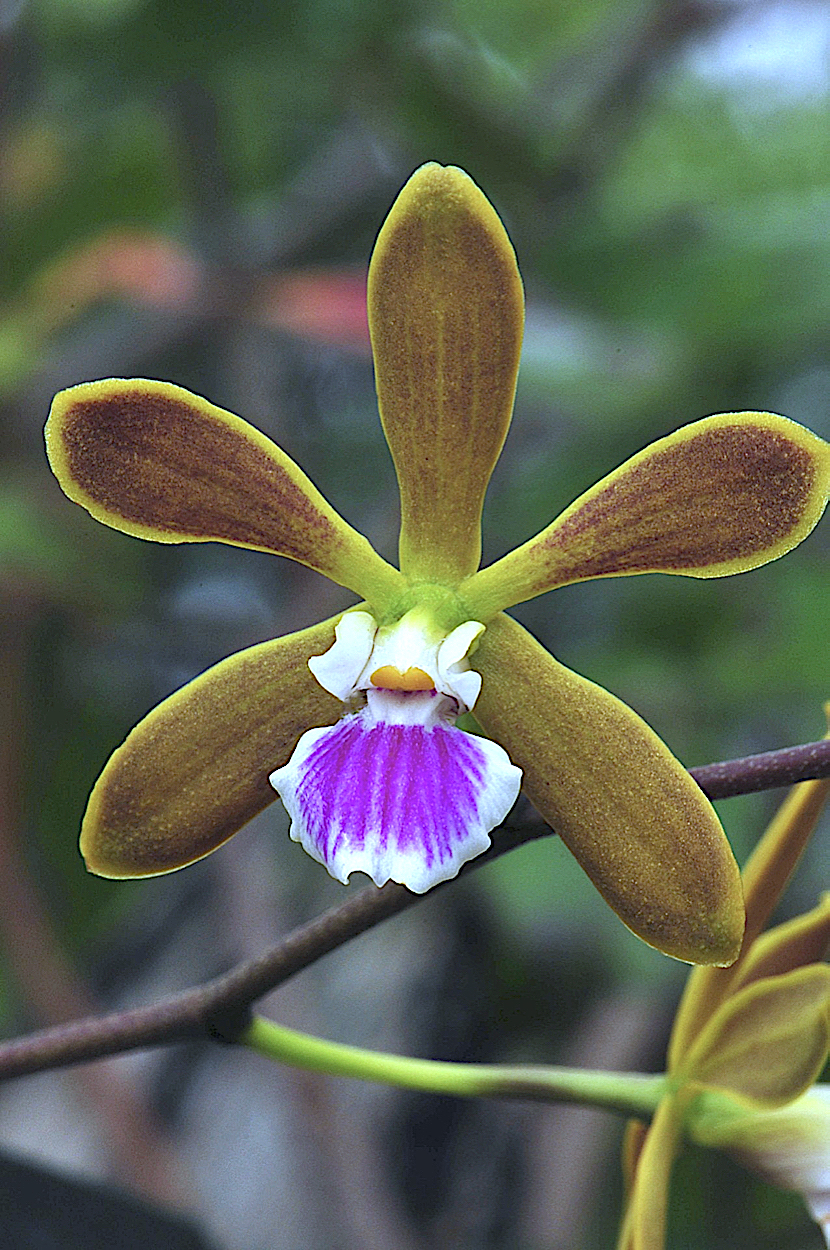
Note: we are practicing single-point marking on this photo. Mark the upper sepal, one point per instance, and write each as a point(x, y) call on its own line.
point(720, 496)
point(446, 315)
point(155, 461)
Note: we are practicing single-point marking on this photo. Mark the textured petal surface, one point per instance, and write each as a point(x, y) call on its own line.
point(769, 1042)
point(446, 315)
point(400, 802)
point(639, 826)
point(764, 878)
point(721, 496)
point(196, 769)
point(155, 461)
point(800, 941)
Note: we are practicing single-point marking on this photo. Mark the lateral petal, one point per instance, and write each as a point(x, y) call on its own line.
point(195, 770)
point(764, 877)
point(720, 496)
point(155, 461)
point(630, 813)
point(803, 940)
point(769, 1042)
point(446, 315)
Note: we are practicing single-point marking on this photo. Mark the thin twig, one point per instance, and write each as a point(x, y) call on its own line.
point(765, 771)
point(219, 1008)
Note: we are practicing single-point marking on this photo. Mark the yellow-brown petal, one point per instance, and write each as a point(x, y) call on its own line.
point(155, 461)
point(634, 1138)
point(446, 315)
point(640, 827)
point(720, 496)
point(769, 1042)
point(764, 877)
point(644, 1222)
point(793, 944)
point(195, 770)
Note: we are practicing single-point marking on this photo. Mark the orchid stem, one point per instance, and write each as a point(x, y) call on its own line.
point(627, 1093)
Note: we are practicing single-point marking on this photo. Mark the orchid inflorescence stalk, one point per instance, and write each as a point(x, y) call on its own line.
point(353, 721)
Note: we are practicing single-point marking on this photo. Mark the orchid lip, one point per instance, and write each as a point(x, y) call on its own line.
point(395, 789)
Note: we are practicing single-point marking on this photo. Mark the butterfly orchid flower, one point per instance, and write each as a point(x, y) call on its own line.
point(353, 721)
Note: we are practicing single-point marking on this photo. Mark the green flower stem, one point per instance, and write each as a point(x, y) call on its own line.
point(628, 1093)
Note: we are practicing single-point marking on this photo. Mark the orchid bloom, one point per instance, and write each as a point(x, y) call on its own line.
point(353, 720)
point(786, 1146)
point(747, 1045)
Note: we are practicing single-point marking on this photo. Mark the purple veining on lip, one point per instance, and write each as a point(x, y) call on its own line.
point(413, 785)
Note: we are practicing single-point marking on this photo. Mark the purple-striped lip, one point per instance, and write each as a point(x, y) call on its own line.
point(396, 791)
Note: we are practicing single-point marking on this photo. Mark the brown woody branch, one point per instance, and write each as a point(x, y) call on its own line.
point(219, 1008)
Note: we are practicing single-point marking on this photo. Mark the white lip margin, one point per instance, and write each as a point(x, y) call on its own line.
point(338, 669)
point(455, 677)
point(377, 851)
point(357, 652)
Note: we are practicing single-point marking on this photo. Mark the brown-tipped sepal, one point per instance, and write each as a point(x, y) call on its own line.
point(720, 496)
point(195, 770)
point(638, 824)
point(157, 462)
